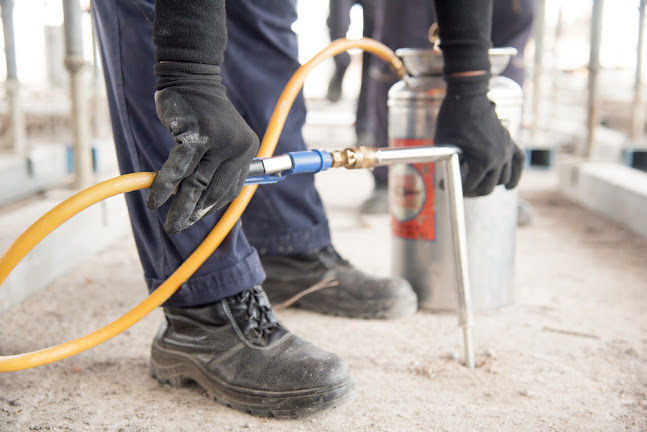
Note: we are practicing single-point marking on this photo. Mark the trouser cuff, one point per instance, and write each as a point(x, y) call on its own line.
point(292, 241)
point(216, 286)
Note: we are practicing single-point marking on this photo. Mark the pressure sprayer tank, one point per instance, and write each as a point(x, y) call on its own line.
point(422, 245)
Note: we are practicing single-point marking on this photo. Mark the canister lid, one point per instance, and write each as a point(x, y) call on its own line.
point(428, 61)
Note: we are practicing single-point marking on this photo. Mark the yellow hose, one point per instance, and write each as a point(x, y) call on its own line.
point(131, 182)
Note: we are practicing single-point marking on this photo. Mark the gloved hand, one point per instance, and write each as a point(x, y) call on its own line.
point(214, 147)
point(467, 119)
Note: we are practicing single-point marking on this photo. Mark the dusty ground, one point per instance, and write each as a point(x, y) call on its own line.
point(569, 355)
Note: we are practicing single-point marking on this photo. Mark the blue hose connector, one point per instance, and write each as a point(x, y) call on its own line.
point(309, 161)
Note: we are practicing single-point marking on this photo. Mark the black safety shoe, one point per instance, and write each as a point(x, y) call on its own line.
point(322, 281)
point(238, 351)
point(335, 85)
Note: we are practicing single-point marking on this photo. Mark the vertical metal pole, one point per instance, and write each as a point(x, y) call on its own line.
point(538, 67)
point(96, 91)
point(16, 118)
point(79, 93)
point(638, 110)
point(594, 72)
point(457, 214)
point(557, 37)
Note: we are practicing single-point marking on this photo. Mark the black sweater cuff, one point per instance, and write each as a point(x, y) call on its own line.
point(193, 31)
point(464, 29)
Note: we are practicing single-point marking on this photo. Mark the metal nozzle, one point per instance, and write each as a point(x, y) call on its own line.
point(354, 158)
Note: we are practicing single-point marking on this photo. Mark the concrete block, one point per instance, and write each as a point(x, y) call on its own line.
point(13, 177)
point(47, 163)
point(71, 244)
point(104, 157)
point(47, 166)
point(23, 176)
point(614, 191)
point(608, 146)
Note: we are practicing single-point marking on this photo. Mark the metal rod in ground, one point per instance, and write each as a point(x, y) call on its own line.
point(448, 159)
point(457, 214)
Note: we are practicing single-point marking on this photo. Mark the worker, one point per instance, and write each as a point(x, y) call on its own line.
point(167, 69)
point(405, 25)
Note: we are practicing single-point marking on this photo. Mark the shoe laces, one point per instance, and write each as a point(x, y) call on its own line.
point(329, 254)
point(258, 319)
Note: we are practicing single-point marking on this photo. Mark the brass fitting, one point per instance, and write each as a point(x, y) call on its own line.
point(354, 158)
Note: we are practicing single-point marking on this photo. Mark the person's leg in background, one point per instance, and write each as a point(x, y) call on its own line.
point(363, 125)
point(511, 27)
point(220, 330)
point(338, 22)
point(397, 25)
point(286, 221)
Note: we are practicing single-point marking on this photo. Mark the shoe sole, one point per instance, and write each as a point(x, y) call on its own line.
point(384, 309)
point(179, 370)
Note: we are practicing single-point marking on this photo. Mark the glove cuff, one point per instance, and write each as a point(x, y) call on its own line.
point(465, 55)
point(179, 73)
point(464, 86)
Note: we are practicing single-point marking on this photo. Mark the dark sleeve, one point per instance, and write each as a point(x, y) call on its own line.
point(193, 31)
point(464, 28)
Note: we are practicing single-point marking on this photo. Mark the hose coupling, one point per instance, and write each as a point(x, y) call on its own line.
point(354, 158)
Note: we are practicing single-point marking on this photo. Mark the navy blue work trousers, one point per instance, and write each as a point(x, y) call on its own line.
point(261, 56)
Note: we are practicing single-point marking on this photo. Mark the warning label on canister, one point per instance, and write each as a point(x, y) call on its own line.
point(411, 195)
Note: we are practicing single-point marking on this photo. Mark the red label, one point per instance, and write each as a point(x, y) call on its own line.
point(411, 195)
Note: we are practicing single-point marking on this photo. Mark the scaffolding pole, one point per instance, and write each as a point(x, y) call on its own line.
point(593, 117)
point(76, 66)
point(638, 109)
point(16, 116)
point(538, 66)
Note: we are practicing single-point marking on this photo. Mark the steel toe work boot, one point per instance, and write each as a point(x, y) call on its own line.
point(335, 85)
point(238, 351)
point(322, 281)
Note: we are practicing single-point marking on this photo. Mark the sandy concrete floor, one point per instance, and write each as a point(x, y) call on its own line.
point(569, 355)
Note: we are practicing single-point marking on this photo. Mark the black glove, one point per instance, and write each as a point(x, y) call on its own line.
point(214, 147)
point(467, 119)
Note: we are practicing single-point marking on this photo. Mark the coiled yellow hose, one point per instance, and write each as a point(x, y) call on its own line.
point(131, 182)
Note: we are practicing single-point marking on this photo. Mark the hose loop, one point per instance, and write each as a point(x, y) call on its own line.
point(132, 182)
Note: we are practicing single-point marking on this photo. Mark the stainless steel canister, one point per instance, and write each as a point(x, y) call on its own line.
point(421, 228)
